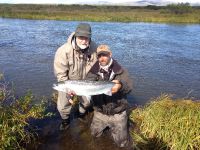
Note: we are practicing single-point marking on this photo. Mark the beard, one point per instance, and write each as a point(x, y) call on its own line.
point(106, 64)
point(103, 63)
point(83, 46)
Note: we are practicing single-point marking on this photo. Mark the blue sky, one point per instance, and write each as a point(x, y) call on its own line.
point(88, 1)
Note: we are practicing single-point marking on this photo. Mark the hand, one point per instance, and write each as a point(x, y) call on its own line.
point(70, 95)
point(71, 101)
point(116, 87)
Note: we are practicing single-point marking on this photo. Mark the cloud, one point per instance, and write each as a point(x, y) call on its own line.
point(91, 1)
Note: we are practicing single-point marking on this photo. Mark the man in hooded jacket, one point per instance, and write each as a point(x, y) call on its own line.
point(72, 61)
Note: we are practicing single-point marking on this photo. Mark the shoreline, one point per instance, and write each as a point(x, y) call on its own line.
point(169, 23)
point(123, 14)
point(151, 125)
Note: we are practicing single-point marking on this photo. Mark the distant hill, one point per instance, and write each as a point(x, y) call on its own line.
point(138, 3)
point(109, 2)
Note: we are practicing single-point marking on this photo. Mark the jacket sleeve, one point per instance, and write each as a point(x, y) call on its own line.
point(127, 83)
point(61, 66)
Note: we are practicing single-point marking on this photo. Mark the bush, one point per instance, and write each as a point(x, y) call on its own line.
point(180, 8)
point(168, 124)
point(153, 7)
point(14, 116)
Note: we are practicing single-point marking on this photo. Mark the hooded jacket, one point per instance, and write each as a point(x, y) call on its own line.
point(116, 103)
point(72, 64)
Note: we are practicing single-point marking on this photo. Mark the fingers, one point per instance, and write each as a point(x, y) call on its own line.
point(71, 93)
point(71, 101)
point(116, 87)
point(116, 81)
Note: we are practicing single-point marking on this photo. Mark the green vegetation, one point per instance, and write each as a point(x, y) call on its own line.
point(179, 13)
point(167, 124)
point(163, 124)
point(180, 8)
point(15, 113)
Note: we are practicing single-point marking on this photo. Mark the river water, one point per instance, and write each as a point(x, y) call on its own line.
point(161, 58)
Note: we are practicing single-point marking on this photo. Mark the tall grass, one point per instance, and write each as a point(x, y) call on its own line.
point(168, 124)
point(100, 13)
point(15, 132)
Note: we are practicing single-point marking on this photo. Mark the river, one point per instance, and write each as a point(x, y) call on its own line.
point(161, 58)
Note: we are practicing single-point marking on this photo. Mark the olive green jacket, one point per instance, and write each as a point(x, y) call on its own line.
point(72, 64)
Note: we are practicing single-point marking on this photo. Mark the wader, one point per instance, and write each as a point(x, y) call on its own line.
point(117, 124)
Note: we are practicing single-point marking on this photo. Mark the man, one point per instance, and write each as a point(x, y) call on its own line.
point(110, 111)
point(72, 61)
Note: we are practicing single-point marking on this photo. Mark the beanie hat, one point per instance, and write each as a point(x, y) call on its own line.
point(83, 29)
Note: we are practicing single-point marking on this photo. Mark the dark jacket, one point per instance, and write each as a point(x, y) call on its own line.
point(116, 103)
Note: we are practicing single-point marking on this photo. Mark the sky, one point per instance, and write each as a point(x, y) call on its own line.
point(88, 1)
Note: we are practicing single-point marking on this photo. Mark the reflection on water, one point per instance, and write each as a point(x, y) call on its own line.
point(161, 58)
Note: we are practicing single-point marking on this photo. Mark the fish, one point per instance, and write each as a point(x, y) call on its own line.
point(85, 87)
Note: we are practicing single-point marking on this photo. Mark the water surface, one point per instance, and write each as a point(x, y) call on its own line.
point(161, 58)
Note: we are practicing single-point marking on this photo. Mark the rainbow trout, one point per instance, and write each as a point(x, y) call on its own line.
point(85, 87)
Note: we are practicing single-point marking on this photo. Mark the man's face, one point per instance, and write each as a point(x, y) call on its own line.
point(104, 59)
point(82, 42)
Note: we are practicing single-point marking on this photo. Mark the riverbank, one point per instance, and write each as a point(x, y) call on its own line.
point(15, 114)
point(165, 123)
point(167, 14)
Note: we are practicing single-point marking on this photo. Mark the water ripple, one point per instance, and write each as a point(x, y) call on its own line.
point(161, 58)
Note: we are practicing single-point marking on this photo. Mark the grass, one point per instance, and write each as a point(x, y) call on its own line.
point(167, 124)
point(99, 13)
point(15, 114)
point(163, 124)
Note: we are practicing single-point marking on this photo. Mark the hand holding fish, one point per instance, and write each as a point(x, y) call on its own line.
point(116, 87)
point(70, 95)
